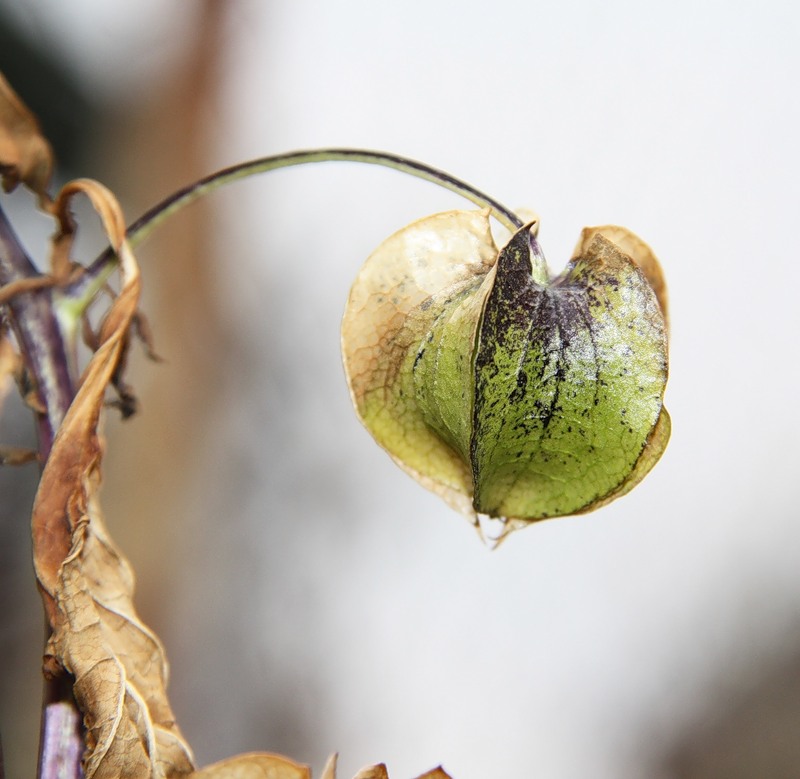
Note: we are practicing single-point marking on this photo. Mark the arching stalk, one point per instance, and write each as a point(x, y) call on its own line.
point(97, 273)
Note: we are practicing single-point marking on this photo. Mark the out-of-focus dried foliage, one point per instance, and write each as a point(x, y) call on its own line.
point(377, 772)
point(9, 363)
point(9, 367)
point(13, 455)
point(256, 765)
point(25, 155)
point(509, 393)
point(261, 765)
point(373, 772)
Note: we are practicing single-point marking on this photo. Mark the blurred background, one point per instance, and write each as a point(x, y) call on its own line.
point(312, 598)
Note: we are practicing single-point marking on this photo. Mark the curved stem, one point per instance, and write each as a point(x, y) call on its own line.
point(146, 223)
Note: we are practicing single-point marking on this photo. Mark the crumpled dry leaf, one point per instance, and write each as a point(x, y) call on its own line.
point(379, 772)
point(373, 772)
point(255, 765)
point(25, 155)
point(15, 455)
point(329, 771)
point(508, 393)
point(87, 585)
point(9, 367)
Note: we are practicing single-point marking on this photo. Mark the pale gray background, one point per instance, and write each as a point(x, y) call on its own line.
point(328, 584)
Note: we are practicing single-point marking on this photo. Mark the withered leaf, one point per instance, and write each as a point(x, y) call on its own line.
point(87, 585)
point(373, 772)
point(9, 365)
point(262, 765)
point(509, 393)
point(255, 765)
point(25, 155)
point(329, 771)
point(13, 455)
point(379, 772)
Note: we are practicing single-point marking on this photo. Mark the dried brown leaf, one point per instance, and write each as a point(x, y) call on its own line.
point(373, 772)
point(14, 455)
point(329, 772)
point(377, 771)
point(255, 765)
point(14, 288)
point(87, 585)
point(9, 365)
point(25, 155)
point(102, 200)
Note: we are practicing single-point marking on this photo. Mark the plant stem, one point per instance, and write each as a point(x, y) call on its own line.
point(39, 336)
point(42, 346)
point(61, 739)
point(144, 225)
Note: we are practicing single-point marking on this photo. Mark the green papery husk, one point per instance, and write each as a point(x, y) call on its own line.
point(508, 396)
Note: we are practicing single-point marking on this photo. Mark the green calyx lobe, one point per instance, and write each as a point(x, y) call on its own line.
point(569, 379)
point(508, 393)
point(550, 391)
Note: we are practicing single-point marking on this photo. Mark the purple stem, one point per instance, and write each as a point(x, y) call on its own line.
point(39, 337)
point(61, 738)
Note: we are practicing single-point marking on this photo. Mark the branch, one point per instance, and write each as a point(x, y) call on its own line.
point(40, 341)
point(39, 336)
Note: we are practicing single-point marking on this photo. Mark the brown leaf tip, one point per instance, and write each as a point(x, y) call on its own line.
point(25, 155)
